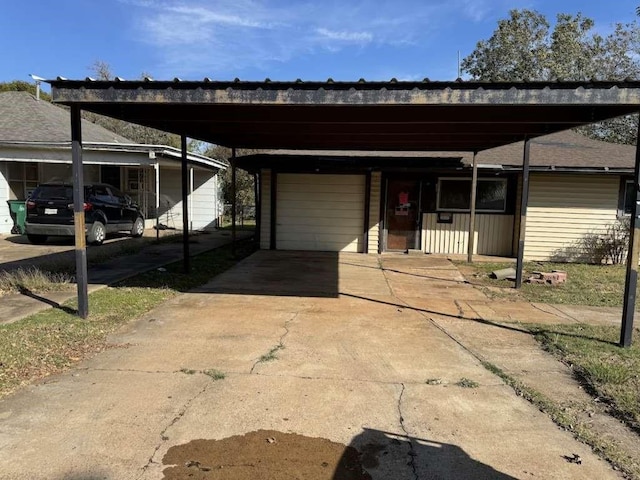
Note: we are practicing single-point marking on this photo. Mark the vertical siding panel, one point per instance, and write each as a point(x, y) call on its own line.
point(493, 234)
point(374, 213)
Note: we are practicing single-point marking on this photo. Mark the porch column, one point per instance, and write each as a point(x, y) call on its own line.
point(78, 213)
point(524, 201)
point(233, 201)
point(472, 210)
point(191, 185)
point(633, 256)
point(185, 209)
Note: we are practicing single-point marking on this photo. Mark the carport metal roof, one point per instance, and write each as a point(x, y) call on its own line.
point(385, 116)
point(389, 116)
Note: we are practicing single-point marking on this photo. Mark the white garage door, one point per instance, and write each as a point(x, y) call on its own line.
point(320, 212)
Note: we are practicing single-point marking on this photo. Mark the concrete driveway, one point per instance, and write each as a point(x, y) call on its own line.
point(321, 345)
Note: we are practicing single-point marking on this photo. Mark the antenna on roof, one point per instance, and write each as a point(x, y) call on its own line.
point(459, 76)
point(38, 81)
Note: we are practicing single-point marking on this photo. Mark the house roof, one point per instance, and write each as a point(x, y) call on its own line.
point(27, 122)
point(23, 118)
point(388, 116)
point(562, 150)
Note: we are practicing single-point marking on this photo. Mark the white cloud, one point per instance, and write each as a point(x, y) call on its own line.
point(222, 37)
point(345, 36)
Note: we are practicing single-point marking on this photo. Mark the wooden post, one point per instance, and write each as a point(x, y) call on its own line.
point(472, 210)
point(185, 210)
point(257, 207)
point(524, 201)
point(78, 213)
point(631, 281)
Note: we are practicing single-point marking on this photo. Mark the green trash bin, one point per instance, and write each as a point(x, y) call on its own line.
point(18, 214)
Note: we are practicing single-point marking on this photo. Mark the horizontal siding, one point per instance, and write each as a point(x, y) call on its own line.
point(204, 202)
point(563, 209)
point(374, 213)
point(320, 212)
point(265, 209)
point(492, 236)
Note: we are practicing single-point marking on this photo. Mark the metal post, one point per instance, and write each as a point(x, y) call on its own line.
point(78, 213)
point(631, 281)
point(233, 201)
point(472, 210)
point(156, 168)
point(185, 209)
point(524, 201)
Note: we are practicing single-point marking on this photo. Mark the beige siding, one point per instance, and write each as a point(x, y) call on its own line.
point(492, 236)
point(374, 213)
point(563, 209)
point(320, 212)
point(265, 209)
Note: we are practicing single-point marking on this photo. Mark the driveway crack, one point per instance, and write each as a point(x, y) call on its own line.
point(279, 346)
point(412, 451)
point(176, 419)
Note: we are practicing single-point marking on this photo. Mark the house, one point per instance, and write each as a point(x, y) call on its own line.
point(321, 200)
point(35, 147)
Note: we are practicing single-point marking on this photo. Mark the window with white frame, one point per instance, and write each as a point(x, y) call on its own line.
point(454, 194)
point(23, 179)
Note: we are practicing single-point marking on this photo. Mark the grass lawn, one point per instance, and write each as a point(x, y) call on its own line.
point(53, 340)
point(595, 285)
point(611, 373)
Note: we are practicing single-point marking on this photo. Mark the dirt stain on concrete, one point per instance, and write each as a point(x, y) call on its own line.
point(264, 454)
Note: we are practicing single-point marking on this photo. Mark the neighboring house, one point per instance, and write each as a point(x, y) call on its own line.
point(35, 147)
point(395, 201)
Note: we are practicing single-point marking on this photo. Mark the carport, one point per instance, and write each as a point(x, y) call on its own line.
point(385, 116)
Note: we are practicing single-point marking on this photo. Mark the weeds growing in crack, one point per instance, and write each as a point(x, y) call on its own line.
point(467, 383)
point(188, 371)
point(215, 374)
point(271, 354)
point(433, 381)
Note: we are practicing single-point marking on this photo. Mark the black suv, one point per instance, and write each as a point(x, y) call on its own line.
point(106, 210)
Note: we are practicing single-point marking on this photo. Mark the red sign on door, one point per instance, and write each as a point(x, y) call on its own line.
point(403, 198)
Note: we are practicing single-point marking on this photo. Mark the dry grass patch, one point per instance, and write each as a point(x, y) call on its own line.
point(34, 280)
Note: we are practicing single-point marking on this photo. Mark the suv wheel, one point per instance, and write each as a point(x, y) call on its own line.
point(97, 234)
point(37, 239)
point(138, 227)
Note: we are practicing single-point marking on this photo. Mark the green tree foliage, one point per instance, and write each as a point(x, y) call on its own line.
point(22, 86)
point(244, 181)
point(134, 132)
point(525, 47)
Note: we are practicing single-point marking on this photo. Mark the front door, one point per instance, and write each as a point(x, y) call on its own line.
point(402, 214)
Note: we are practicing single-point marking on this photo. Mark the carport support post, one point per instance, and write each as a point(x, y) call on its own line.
point(257, 207)
point(185, 205)
point(78, 213)
point(631, 282)
point(524, 201)
point(472, 210)
point(233, 201)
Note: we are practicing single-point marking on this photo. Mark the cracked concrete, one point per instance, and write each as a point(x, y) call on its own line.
point(354, 371)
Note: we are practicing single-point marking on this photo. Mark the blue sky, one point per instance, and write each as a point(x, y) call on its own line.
point(256, 39)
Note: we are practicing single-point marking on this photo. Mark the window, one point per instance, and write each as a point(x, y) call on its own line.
point(23, 180)
point(454, 194)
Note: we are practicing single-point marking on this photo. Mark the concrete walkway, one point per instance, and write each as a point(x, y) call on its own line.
point(362, 350)
point(14, 307)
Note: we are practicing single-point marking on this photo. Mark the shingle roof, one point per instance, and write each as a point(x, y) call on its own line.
point(25, 119)
point(567, 149)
